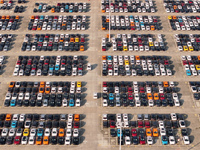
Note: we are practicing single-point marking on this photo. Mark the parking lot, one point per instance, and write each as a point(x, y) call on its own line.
point(94, 137)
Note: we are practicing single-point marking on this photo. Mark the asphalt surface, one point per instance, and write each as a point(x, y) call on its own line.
point(94, 138)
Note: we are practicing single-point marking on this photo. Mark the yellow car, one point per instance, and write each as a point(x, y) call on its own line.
point(126, 62)
point(78, 84)
point(185, 48)
point(26, 132)
point(76, 39)
point(191, 48)
point(198, 67)
point(150, 43)
point(170, 17)
point(125, 48)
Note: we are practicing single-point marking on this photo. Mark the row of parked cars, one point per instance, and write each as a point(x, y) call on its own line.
point(186, 6)
point(39, 129)
point(58, 22)
point(187, 42)
point(7, 5)
point(136, 65)
point(191, 65)
point(5, 41)
point(184, 22)
point(49, 65)
point(140, 94)
point(54, 42)
point(61, 7)
point(19, 9)
point(128, 6)
point(135, 42)
point(43, 94)
point(131, 23)
point(147, 128)
point(195, 88)
point(2, 61)
point(9, 22)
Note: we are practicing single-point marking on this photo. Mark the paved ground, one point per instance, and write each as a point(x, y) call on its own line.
point(93, 137)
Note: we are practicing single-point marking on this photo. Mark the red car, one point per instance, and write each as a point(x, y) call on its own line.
point(17, 140)
point(147, 124)
point(162, 96)
point(142, 140)
point(142, 90)
point(130, 96)
point(190, 62)
point(134, 132)
point(185, 62)
point(76, 124)
point(166, 62)
point(104, 84)
point(112, 124)
point(130, 90)
point(19, 62)
point(140, 124)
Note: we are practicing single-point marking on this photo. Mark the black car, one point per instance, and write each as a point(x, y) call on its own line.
point(76, 140)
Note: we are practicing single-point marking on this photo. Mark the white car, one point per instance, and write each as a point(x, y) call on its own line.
point(177, 103)
point(162, 132)
point(31, 140)
point(105, 103)
point(15, 117)
point(64, 102)
point(173, 116)
point(67, 140)
point(70, 117)
point(78, 103)
point(127, 140)
point(118, 116)
point(24, 140)
point(172, 140)
point(151, 103)
point(54, 132)
point(75, 133)
point(125, 117)
point(149, 140)
point(89, 67)
point(69, 125)
point(137, 103)
point(69, 133)
point(186, 140)
point(47, 132)
point(11, 132)
point(33, 132)
point(95, 96)
point(182, 123)
point(161, 124)
point(175, 96)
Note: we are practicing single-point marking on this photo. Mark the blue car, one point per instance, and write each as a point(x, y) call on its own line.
point(164, 140)
point(131, 17)
point(109, 57)
point(66, 7)
point(13, 102)
point(40, 7)
point(40, 132)
point(142, 23)
point(41, 17)
point(51, 67)
point(14, 124)
point(57, 67)
point(41, 39)
point(111, 96)
point(188, 73)
point(71, 103)
point(118, 133)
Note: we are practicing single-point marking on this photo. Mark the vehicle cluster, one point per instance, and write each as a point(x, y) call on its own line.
point(54, 42)
point(191, 65)
point(128, 6)
point(186, 6)
point(5, 41)
point(187, 42)
point(184, 22)
point(61, 7)
point(19, 9)
point(136, 65)
point(9, 22)
point(49, 65)
point(195, 88)
point(140, 94)
point(40, 129)
point(131, 23)
point(147, 128)
point(2, 61)
point(58, 22)
point(135, 42)
point(37, 94)
point(7, 5)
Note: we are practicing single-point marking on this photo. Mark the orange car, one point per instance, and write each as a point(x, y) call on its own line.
point(174, 17)
point(41, 90)
point(71, 39)
point(32, 17)
point(175, 7)
point(137, 57)
point(104, 58)
point(39, 28)
point(53, 10)
point(132, 24)
point(61, 132)
point(198, 57)
point(17, 17)
point(103, 28)
point(46, 140)
point(64, 24)
point(7, 17)
point(42, 84)
point(38, 140)
point(148, 132)
point(12, 84)
point(81, 48)
point(152, 27)
point(3, 17)
point(156, 96)
point(61, 40)
point(47, 90)
point(8, 117)
point(155, 132)
point(76, 117)
point(149, 96)
point(166, 84)
point(2, 1)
